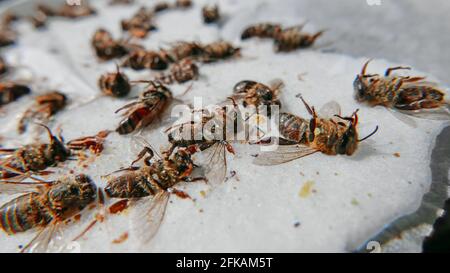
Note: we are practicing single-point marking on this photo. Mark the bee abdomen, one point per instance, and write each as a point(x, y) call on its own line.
point(419, 97)
point(129, 124)
point(22, 214)
point(128, 186)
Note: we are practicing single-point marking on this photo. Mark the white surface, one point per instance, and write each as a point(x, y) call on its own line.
point(355, 196)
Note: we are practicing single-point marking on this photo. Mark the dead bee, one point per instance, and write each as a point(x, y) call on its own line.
point(45, 206)
point(106, 48)
point(3, 67)
point(76, 11)
point(161, 6)
point(210, 14)
point(257, 94)
point(120, 2)
point(150, 104)
point(219, 50)
point(10, 91)
point(115, 84)
point(328, 133)
point(149, 188)
point(7, 36)
point(37, 157)
point(261, 30)
point(140, 23)
point(293, 38)
point(143, 59)
point(410, 95)
point(180, 72)
point(183, 3)
point(45, 106)
point(181, 50)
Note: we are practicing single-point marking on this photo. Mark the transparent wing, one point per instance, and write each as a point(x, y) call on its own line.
point(441, 113)
point(49, 239)
point(214, 163)
point(148, 214)
point(283, 154)
point(7, 187)
point(408, 120)
point(330, 109)
point(276, 84)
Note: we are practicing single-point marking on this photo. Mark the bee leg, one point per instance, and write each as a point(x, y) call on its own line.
point(145, 151)
point(179, 193)
point(195, 179)
point(389, 70)
point(7, 151)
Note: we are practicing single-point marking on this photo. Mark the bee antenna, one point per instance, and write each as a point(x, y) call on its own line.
point(363, 70)
point(371, 134)
point(50, 135)
point(310, 110)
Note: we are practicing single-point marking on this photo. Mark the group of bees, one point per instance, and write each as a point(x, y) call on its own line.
point(47, 205)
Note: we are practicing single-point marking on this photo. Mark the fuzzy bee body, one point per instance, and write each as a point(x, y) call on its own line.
point(10, 92)
point(45, 106)
point(143, 59)
point(292, 38)
point(210, 14)
point(183, 50)
point(114, 84)
point(218, 51)
point(55, 201)
point(142, 112)
point(261, 30)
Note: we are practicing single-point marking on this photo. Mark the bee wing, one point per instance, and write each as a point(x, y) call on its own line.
point(408, 120)
point(215, 165)
point(330, 109)
point(148, 215)
point(283, 154)
point(49, 239)
point(19, 187)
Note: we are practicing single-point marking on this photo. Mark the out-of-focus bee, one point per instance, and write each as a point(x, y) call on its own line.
point(10, 91)
point(161, 6)
point(143, 59)
point(106, 48)
point(328, 133)
point(150, 104)
point(76, 11)
point(45, 206)
point(293, 38)
point(121, 2)
point(37, 157)
point(261, 30)
point(45, 106)
point(210, 14)
point(180, 72)
point(7, 36)
point(3, 67)
point(258, 95)
point(181, 50)
point(219, 51)
point(410, 95)
point(149, 187)
point(140, 23)
point(183, 3)
point(114, 84)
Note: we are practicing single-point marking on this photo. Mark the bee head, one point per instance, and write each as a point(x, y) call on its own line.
point(348, 143)
point(361, 84)
point(57, 145)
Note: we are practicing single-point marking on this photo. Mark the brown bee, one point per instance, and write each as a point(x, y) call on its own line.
point(3, 67)
point(328, 133)
point(161, 6)
point(293, 38)
point(106, 48)
point(258, 95)
point(150, 104)
point(45, 206)
point(183, 3)
point(143, 59)
point(140, 23)
point(261, 30)
point(76, 11)
point(219, 50)
point(45, 106)
point(210, 135)
point(37, 157)
point(149, 187)
point(180, 72)
point(181, 50)
point(410, 95)
point(10, 92)
point(211, 14)
point(115, 84)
